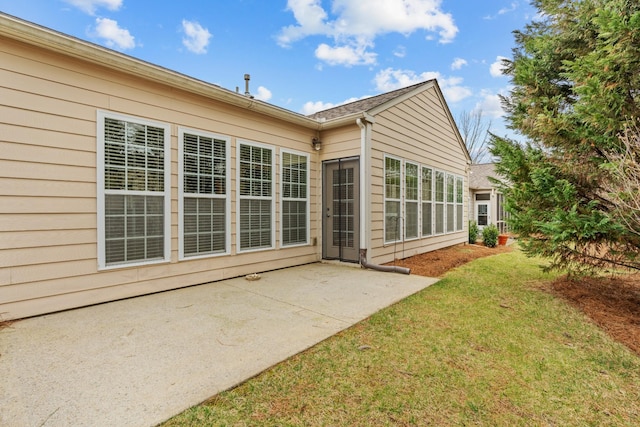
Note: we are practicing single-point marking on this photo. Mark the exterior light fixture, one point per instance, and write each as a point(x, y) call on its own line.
point(317, 144)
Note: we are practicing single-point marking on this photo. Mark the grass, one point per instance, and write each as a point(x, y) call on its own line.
point(484, 346)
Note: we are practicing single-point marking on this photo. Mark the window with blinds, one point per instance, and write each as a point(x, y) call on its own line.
point(295, 189)
point(451, 196)
point(411, 201)
point(392, 195)
point(204, 207)
point(439, 204)
point(459, 203)
point(255, 193)
point(427, 201)
point(133, 190)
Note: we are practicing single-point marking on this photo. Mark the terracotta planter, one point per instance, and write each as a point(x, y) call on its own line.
point(502, 239)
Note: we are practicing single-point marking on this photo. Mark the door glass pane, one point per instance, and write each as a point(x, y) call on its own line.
point(343, 207)
point(483, 215)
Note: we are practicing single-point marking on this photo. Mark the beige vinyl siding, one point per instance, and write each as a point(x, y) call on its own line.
point(48, 221)
point(341, 142)
point(56, 301)
point(402, 132)
point(416, 130)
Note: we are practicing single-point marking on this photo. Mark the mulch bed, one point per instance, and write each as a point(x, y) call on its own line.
point(613, 303)
point(437, 263)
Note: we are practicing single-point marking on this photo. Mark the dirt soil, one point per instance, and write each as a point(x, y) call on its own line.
point(613, 303)
point(436, 263)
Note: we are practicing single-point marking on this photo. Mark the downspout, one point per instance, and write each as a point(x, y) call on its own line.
point(365, 200)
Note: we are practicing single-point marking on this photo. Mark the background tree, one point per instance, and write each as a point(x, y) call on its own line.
point(624, 186)
point(576, 79)
point(474, 129)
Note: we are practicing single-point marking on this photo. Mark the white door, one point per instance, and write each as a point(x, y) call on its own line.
point(483, 214)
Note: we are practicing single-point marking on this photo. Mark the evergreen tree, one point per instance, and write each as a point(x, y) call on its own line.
point(576, 77)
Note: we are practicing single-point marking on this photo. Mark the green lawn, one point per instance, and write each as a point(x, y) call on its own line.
point(484, 346)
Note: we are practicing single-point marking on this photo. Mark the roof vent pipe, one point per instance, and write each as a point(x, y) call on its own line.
point(247, 77)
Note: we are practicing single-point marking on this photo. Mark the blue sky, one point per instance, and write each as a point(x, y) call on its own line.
point(307, 55)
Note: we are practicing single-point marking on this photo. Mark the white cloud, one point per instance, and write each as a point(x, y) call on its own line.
point(400, 52)
point(311, 19)
point(453, 92)
point(197, 38)
point(345, 55)
point(452, 88)
point(490, 104)
point(313, 107)
point(389, 79)
point(511, 8)
point(356, 24)
point(496, 68)
point(90, 6)
point(114, 36)
point(458, 63)
point(263, 94)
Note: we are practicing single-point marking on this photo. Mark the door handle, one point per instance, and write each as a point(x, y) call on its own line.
point(328, 213)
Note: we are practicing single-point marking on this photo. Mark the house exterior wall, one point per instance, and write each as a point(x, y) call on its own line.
point(497, 215)
point(420, 131)
point(341, 142)
point(48, 182)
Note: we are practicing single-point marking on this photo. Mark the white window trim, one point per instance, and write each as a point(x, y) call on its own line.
point(282, 199)
point(240, 142)
point(181, 132)
point(405, 200)
point(385, 199)
point(101, 192)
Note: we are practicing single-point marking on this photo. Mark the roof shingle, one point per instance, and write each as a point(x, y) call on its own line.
point(363, 104)
point(479, 176)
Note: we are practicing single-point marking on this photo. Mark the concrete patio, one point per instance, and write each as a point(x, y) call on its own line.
point(137, 362)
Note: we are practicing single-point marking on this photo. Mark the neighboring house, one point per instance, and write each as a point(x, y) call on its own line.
point(486, 202)
point(120, 178)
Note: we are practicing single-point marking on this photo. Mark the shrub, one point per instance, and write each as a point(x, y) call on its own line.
point(473, 232)
point(490, 236)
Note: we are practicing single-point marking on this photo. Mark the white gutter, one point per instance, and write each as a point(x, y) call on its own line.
point(365, 122)
point(344, 120)
point(365, 182)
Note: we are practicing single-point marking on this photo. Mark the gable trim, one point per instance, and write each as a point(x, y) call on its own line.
point(401, 98)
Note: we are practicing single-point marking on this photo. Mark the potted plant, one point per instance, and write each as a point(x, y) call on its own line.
point(502, 239)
